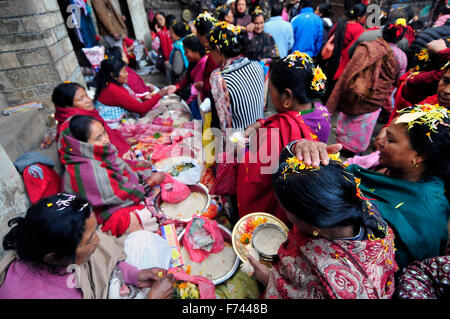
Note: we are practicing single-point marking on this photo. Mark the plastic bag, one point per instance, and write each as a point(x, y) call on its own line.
point(205, 286)
point(197, 240)
point(172, 191)
point(145, 250)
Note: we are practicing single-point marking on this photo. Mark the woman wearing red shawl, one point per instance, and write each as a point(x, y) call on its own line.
point(71, 99)
point(94, 172)
point(165, 43)
point(293, 82)
point(416, 85)
point(339, 247)
point(344, 33)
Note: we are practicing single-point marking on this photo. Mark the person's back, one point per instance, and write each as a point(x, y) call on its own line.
point(245, 83)
point(308, 31)
point(281, 31)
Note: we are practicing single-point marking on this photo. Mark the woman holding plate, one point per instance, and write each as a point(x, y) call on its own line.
point(338, 236)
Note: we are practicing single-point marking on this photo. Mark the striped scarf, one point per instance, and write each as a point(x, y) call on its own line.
point(98, 175)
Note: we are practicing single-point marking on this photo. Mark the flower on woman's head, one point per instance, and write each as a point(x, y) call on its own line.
point(425, 114)
point(423, 55)
point(319, 79)
point(294, 165)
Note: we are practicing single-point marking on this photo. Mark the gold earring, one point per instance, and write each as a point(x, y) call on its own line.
point(315, 233)
point(414, 163)
point(286, 105)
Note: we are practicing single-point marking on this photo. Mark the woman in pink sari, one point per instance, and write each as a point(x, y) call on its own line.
point(339, 247)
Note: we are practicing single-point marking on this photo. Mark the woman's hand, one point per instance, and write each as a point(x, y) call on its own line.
point(198, 85)
point(251, 128)
point(315, 153)
point(163, 91)
point(171, 89)
point(250, 27)
point(436, 46)
point(156, 179)
point(262, 272)
point(162, 288)
point(143, 164)
point(147, 277)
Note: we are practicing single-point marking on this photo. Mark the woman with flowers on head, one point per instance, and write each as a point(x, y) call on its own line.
point(408, 183)
point(57, 236)
point(204, 23)
point(262, 45)
point(294, 82)
point(238, 83)
point(338, 237)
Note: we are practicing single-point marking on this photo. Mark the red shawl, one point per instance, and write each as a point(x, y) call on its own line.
point(319, 268)
point(254, 188)
point(116, 138)
point(165, 43)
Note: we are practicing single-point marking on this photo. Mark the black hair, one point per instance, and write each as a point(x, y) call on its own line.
point(357, 11)
point(221, 12)
point(114, 53)
point(277, 9)
point(443, 9)
point(180, 28)
point(233, 45)
point(392, 33)
point(109, 70)
point(256, 13)
point(49, 227)
point(192, 42)
point(325, 9)
point(204, 26)
point(297, 78)
point(80, 127)
point(307, 3)
point(435, 147)
point(170, 18)
point(324, 198)
point(64, 94)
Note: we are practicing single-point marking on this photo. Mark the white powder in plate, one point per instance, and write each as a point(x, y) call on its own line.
point(185, 209)
point(268, 240)
point(214, 266)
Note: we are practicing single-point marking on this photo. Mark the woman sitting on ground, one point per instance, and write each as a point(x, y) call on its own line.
point(293, 83)
point(94, 172)
point(176, 66)
point(134, 81)
point(408, 184)
point(114, 99)
point(337, 236)
point(58, 235)
point(71, 99)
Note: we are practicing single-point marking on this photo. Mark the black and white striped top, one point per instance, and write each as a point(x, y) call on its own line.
point(245, 83)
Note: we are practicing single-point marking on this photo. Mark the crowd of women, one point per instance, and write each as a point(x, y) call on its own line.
point(370, 224)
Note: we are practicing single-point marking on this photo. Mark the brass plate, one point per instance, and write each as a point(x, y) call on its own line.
point(239, 229)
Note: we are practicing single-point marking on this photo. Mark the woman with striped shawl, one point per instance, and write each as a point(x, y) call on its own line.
point(95, 172)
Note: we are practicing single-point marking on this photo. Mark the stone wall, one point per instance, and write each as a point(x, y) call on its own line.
point(35, 52)
point(13, 198)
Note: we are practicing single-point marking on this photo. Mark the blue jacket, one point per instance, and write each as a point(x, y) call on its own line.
point(282, 33)
point(308, 32)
